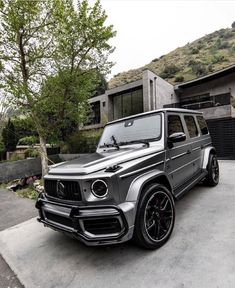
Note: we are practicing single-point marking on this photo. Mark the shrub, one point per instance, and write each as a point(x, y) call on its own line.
point(155, 60)
point(2, 151)
point(31, 152)
point(179, 78)
point(84, 141)
point(28, 140)
point(217, 58)
point(169, 71)
point(210, 68)
point(228, 34)
point(194, 50)
point(219, 44)
point(24, 127)
point(9, 137)
point(198, 68)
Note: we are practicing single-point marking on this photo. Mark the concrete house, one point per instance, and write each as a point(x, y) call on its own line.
point(213, 94)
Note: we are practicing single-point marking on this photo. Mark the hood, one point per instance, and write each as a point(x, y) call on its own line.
point(91, 163)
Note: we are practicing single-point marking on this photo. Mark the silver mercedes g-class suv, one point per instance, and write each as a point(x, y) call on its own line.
point(127, 188)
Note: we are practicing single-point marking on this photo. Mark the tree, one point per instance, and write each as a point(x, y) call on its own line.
point(233, 24)
point(4, 109)
point(9, 137)
point(45, 48)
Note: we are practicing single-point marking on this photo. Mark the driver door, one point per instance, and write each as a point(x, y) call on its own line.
point(179, 165)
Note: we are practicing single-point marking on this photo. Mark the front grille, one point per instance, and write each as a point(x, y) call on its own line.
point(102, 226)
point(71, 190)
point(59, 219)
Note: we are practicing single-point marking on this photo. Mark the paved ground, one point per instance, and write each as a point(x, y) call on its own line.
point(200, 253)
point(13, 210)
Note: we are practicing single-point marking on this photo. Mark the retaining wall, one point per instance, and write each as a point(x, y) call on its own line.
point(24, 168)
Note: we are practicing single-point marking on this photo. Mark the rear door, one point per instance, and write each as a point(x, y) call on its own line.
point(179, 163)
point(195, 141)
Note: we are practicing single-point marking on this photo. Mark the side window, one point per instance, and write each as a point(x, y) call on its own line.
point(191, 125)
point(174, 124)
point(202, 125)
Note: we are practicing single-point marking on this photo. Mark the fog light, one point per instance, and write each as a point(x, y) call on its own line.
point(99, 188)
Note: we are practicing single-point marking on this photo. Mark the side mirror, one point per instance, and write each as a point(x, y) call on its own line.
point(176, 137)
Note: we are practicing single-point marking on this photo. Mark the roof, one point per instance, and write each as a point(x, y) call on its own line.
point(179, 110)
point(215, 75)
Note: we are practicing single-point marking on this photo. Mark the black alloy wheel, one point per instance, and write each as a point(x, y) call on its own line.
point(212, 178)
point(155, 217)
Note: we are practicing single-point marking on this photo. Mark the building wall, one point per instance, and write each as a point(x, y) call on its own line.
point(157, 92)
point(222, 85)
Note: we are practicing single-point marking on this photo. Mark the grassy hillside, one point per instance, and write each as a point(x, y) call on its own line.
point(201, 57)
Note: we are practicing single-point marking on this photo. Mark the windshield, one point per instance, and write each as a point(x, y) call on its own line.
point(132, 130)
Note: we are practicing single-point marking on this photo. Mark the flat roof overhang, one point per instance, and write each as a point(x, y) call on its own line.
point(207, 78)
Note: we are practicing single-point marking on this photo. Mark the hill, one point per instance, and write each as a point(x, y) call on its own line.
point(198, 58)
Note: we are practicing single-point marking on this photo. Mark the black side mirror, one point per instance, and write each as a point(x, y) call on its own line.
point(176, 137)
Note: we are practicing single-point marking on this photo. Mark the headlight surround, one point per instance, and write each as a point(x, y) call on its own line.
point(99, 188)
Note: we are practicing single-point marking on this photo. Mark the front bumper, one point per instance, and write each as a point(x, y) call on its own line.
point(93, 225)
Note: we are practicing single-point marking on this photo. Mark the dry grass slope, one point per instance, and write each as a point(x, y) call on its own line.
point(201, 57)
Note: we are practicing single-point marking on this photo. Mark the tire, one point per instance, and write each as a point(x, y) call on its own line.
point(155, 217)
point(212, 178)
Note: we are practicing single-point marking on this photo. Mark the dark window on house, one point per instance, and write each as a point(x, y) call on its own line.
point(202, 124)
point(205, 101)
point(174, 124)
point(94, 117)
point(191, 126)
point(127, 104)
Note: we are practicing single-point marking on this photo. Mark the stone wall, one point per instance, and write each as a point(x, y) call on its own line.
point(19, 169)
point(29, 167)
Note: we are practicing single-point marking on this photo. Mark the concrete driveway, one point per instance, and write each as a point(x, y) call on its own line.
point(200, 253)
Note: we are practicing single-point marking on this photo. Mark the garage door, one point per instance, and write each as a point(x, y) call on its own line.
point(223, 137)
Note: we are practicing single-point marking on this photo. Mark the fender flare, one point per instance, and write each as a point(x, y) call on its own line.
point(138, 183)
point(207, 152)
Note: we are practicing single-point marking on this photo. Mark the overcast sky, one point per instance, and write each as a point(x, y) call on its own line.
point(147, 29)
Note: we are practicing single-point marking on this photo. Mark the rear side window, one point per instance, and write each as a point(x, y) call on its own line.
point(191, 125)
point(202, 125)
point(174, 124)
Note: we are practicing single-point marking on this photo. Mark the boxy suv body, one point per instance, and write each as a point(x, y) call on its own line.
point(127, 188)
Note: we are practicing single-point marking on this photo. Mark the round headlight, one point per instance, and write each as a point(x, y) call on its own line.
point(99, 188)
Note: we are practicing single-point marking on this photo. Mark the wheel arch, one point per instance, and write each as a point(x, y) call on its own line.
point(142, 181)
point(207, 152)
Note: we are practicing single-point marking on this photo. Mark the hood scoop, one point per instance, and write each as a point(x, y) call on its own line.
point(113, 168)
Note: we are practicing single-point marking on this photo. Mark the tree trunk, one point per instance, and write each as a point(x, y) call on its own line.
point(43, 153)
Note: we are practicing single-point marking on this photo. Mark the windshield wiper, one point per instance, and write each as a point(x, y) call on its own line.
point(134, 142)
point(115, 144)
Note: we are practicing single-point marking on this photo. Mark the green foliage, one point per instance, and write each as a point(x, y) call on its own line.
point(15, 157)
point(55, 52)
point(31, 152)
point(169, 71)
point(28, 192)
point(28, 140)
point(220, 44)
point(179, 78)
point(194, 50)
point(2, 150)
point(9, 137)
point(24, 127)
point(197, 67)
point(84, 141)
